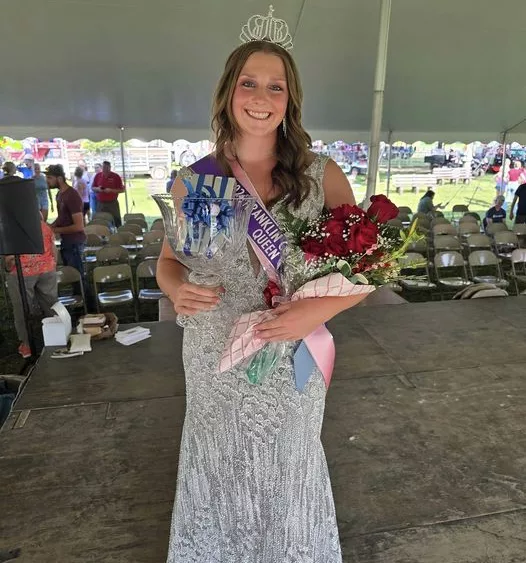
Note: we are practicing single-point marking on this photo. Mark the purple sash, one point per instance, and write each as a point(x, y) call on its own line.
point(264, 233)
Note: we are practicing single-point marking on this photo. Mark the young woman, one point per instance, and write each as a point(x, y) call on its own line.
point(253, 483)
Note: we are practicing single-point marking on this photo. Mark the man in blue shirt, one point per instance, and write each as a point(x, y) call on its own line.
point(171, 181)
point(495, 214)
point(42, 190)
point(26, 169)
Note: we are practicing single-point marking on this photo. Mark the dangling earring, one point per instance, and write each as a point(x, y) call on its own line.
point(284, 123)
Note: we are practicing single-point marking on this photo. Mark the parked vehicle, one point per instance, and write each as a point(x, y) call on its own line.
point(435, 160)
point(143, 161)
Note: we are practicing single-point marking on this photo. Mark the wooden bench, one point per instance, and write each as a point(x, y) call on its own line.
point(453, 175)
point(465, 175)
point(414, 182)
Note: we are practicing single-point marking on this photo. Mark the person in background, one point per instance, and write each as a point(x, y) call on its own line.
point(27, 168)
point(520, 196)
point(495, 214)
point(426, 205)
point(9, 168)
point(514, 178)
point(92, 194)
point(500, 184)
point(82, 189)
point(108, 185)
point(70, 221)
point(85, 174)
point(43, 192)
point(40, 278)
point(171, 181)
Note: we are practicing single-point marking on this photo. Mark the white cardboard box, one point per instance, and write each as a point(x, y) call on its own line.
point(56, 330)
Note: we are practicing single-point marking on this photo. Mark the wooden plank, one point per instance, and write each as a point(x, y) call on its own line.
point(111, 372)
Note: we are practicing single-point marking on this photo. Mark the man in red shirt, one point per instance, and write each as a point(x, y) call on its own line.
point(40, 278)
point(107, 186)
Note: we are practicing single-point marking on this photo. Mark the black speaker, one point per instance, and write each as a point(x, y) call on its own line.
point(20, 230)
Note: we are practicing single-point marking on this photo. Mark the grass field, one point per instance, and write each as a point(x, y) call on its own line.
point(478, 195)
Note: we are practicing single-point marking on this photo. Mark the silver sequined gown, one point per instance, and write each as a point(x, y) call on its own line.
point(253, 484)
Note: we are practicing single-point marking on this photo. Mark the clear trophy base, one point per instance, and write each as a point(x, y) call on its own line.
point(207, 280)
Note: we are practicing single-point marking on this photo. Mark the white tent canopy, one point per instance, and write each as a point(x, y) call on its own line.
point(83, 68)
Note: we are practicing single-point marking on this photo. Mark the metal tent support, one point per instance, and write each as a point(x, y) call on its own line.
point(378, 97)
point(389, 161)
point(124, 168)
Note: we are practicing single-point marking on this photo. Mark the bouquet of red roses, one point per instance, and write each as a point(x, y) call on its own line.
point(360, 245)
point(346, 251)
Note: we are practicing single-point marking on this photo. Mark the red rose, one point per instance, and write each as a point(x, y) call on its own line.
point(362, 236)
point(342, 212)
point(382, 209)
point(337, 245)
point(270, 291)
point(335, 227)
point(313, 247)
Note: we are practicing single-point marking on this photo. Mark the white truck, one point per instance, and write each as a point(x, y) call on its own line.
point(142, 161)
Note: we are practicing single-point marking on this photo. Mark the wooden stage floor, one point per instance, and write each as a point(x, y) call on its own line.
point(424, 435)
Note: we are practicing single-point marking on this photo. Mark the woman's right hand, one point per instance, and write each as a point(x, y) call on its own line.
point(191, 299)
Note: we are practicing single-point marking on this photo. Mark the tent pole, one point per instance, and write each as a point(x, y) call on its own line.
point(378, 97)
point(124, 168)
point(504, 139)
point(389, 161)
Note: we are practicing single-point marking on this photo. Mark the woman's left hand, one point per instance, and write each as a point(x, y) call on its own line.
point(294, 321)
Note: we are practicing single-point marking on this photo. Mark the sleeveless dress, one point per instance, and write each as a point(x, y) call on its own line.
point(253, 484)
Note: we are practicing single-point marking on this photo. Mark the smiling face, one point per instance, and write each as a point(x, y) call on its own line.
point(260, 98)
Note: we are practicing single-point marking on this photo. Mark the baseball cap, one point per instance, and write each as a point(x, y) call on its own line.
point(55, 170)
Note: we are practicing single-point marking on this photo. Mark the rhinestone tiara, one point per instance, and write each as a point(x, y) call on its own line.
point(267, 28)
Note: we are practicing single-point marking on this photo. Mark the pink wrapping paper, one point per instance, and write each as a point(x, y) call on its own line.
point(242, 343)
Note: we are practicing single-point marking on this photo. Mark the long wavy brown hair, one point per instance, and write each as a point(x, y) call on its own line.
point(292, 152)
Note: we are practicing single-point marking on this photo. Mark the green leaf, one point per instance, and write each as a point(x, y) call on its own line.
point(344, 267)
point(359, 279)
